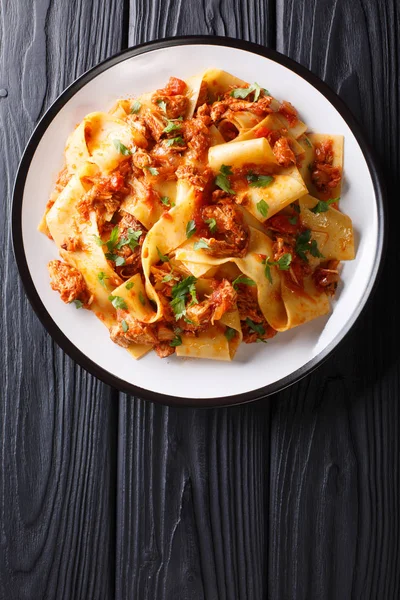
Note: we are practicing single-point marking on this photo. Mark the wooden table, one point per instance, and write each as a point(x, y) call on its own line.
point(108, 496)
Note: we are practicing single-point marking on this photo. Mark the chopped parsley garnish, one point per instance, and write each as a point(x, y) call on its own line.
point(78, 303)
point(172, 125)
point(230, 333)
point(153, 171)
point(124, 326)
point(256, 327)
point(323, 205)
point(169, 277)
point(200, 244)
point(222, 181)
point(244, 92)
point(305, 244)
point(162, 105)
point(129, 285)
point(98, 240)
point(212, 224)
point(161, 256)
point(136, 106)
point(259, 181)
point(130, 240)
point(244, 280)
point(102, 277)
point(307, 141)
point(180, 291)
point(121, 148)
point(177, 341)
point(118, 260)
point(142, 298)
point(283, 263)
point(176, 141)
point(262, 208)
point(118, 302)
point(296, 207)
point(190, 229)
point(293, 220)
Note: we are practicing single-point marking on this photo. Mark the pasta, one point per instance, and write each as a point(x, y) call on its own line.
point(197, 217)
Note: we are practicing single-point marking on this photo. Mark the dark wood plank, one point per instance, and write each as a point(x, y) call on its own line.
point(334, 495)
point(58, 424)
point(191, 518)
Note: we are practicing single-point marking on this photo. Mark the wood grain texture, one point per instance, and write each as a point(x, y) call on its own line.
point(191, 510)
point(334, 495)
point(58, 424)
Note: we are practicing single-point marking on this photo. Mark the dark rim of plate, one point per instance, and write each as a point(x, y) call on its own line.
point(34, 297)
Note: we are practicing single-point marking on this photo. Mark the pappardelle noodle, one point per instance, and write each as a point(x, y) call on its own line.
point(198, 216)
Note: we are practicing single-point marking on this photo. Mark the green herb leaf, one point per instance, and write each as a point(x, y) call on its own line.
point(129, 285)
point(262, 208)
point(323, 205)
point(259, 181)
point(142, 298)
point(212, 224)
point(283, 263)
point(98, 240)
point(113, 239)
point(229, 333)
point(165, 200)
point(293, 220)
point(256, 327)
point(162, 257)
point(177, 341)
point(244, 280)
point(102, 277)
point(121, 148)
point(180, 291)
point(131, 240)
point(176, 141)
point(244, 92)
point(307, 141)
point(305, 244)
point(78, 303)
point(124, 326)
point(118, 302)
point(172, 125)
point(222, 181)
point(169, 277)
point(200, 244)
point(119, 261)
point(136, 106)
point(162, 105)
point(153, 171)
point(190, 229)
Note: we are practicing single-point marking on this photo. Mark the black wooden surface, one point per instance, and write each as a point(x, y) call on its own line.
point(107, 496)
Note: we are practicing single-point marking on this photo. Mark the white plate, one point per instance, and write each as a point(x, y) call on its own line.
point(258, 369)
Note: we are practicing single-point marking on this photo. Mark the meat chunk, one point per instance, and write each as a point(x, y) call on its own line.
point(196, 177)
point(232, 233)
point(131, 250)
point(136, 331)
point(222, 108)
point(324, 175)
point(201, 315)
point(175, 106)
point(164, 349)
point(288, 111)
point(253, 323)
point(326, 277)
point(283, 152)
point(105, 195)
point(69, 282)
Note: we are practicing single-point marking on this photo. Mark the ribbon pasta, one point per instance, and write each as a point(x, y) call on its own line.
point(198, 216)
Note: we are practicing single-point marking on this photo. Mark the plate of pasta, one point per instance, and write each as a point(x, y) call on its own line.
point(198, 221)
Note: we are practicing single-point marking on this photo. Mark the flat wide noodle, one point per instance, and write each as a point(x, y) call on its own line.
point(237, 154)
point(336, 239)
point(286, 187)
